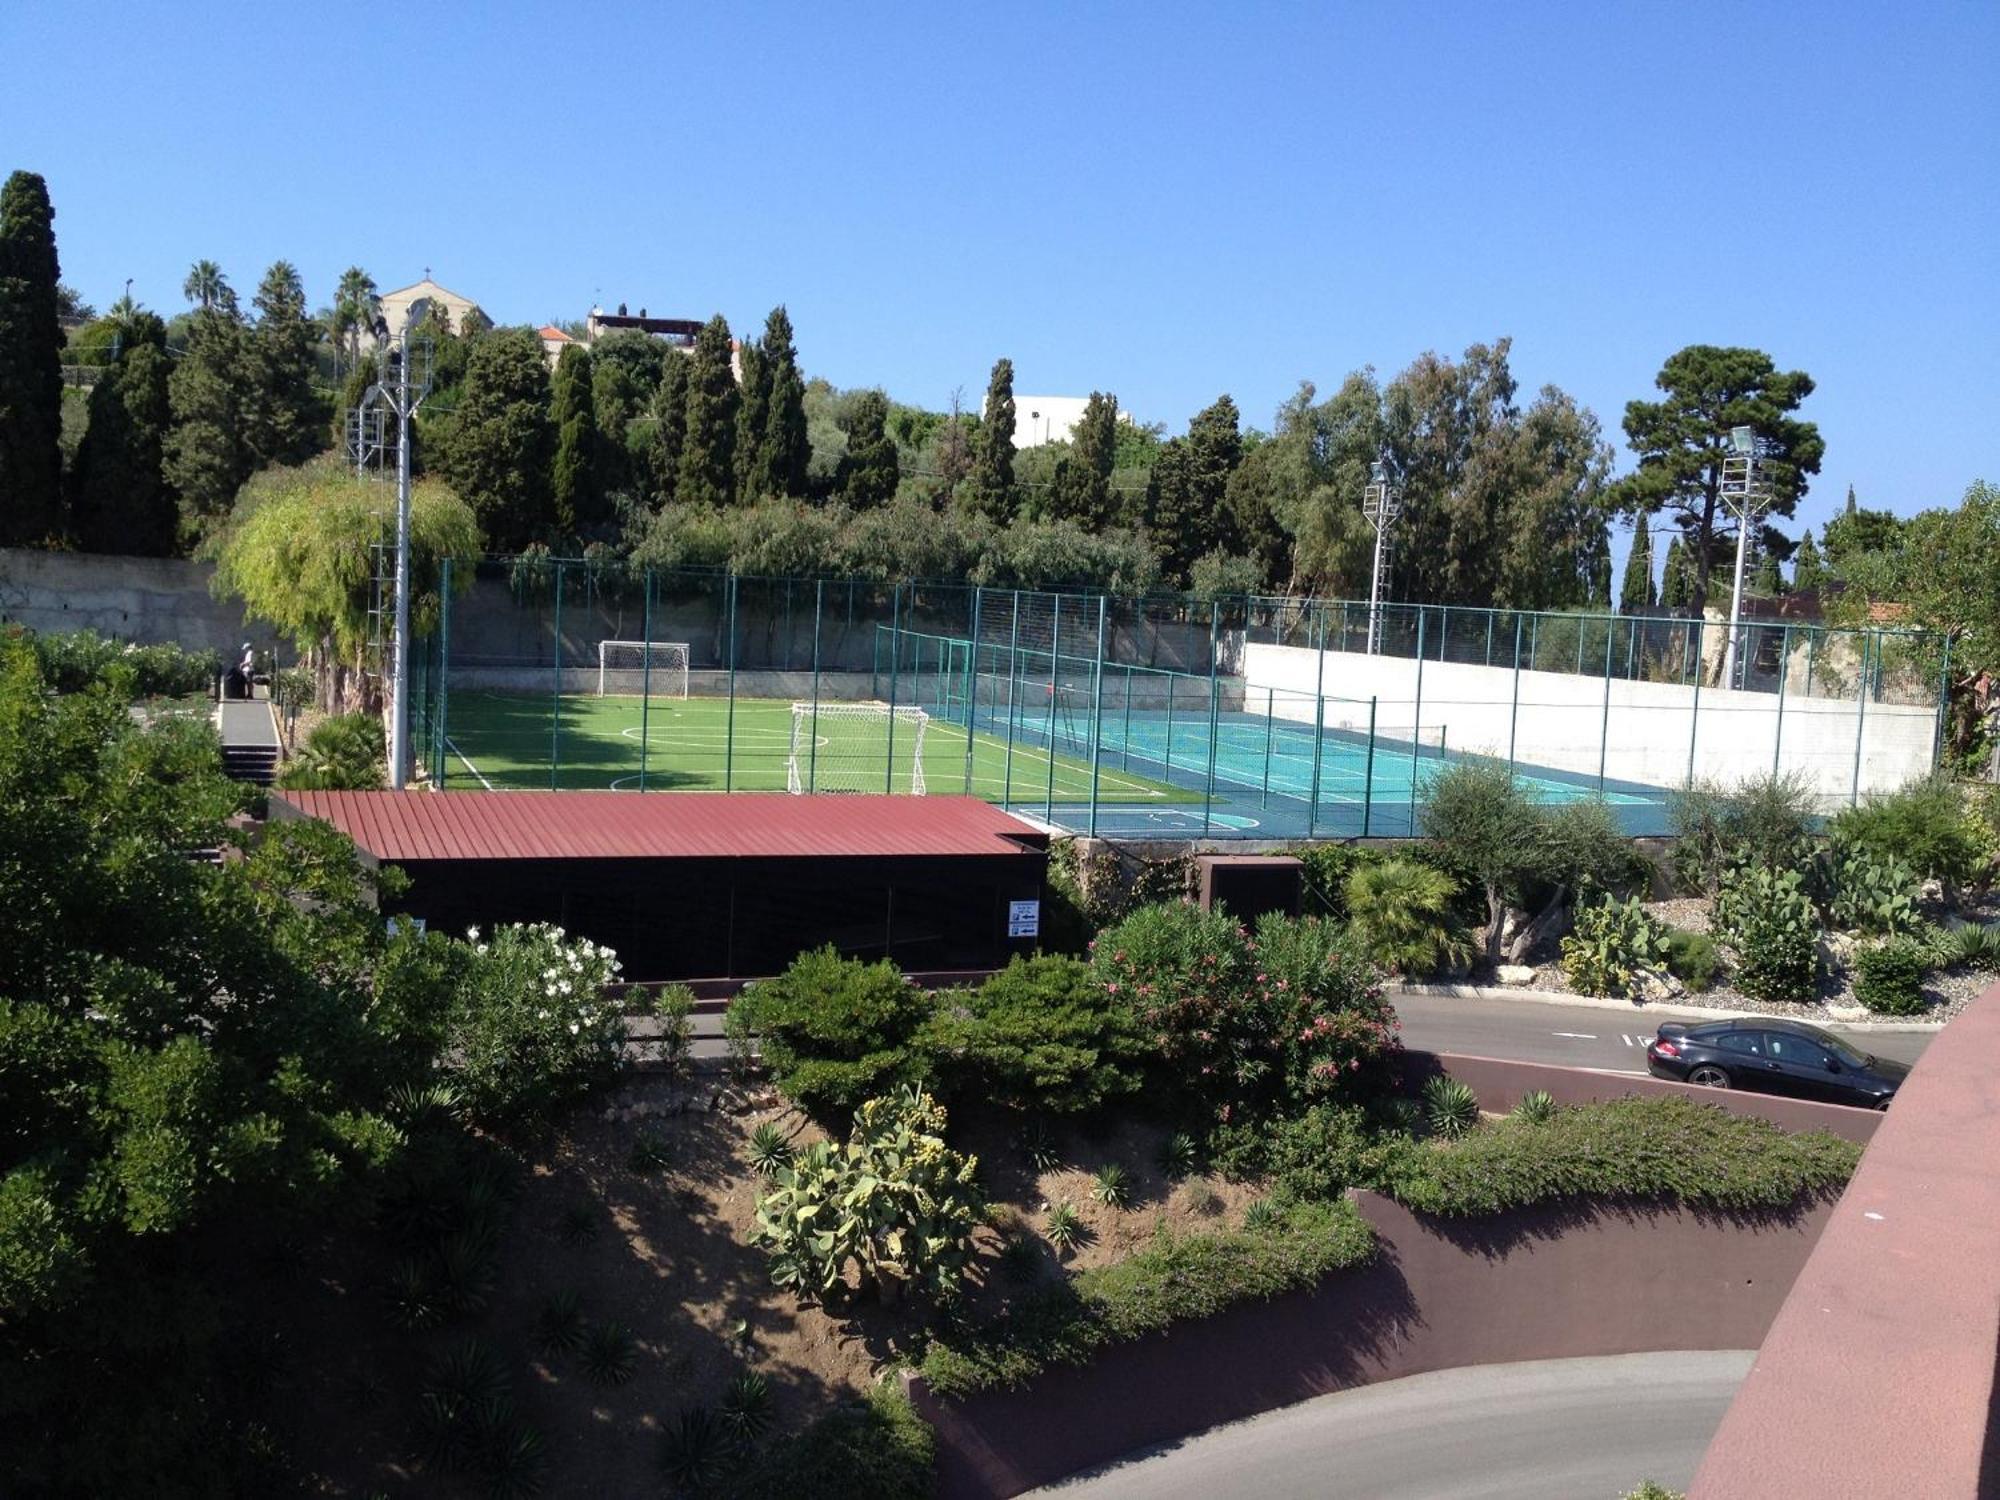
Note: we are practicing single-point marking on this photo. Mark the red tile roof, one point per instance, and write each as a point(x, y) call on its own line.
point(665, 825)
point(549, 331)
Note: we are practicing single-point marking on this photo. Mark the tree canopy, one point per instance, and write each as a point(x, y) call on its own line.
point(500, 441)
point(31, 344)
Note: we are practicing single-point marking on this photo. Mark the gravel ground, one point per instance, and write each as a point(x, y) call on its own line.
point(1945, 994)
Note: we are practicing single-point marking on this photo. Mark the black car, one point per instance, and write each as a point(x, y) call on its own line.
point(1773, 1056)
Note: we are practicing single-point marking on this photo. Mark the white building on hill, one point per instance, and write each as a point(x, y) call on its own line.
point(1049, 419)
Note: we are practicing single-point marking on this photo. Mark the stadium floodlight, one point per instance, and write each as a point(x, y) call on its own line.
point(1744, 491)
point(406, 381)
point(1381, 503)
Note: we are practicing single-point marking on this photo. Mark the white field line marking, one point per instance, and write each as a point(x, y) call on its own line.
point(453, 747)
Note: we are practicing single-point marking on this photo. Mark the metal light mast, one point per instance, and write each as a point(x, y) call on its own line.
point(1381, 505)
point(404, 385)
point(1746, 494)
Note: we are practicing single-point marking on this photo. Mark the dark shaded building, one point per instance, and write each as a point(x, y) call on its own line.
point(694, 885)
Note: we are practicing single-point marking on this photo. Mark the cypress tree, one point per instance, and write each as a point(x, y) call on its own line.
point(989, 488)
point(670, 425)
point(122, 502)
point(574, 492)
point(753, 421)
point(1809, 574)
point(868, 473)
point(1676, 588)
point(707, 465)
point(1082, 488)
point(211, 394)
point(615, 399)
point(287, 413)
point(30, 364)
point(1186, 494)
point(1768, 582)
point(1635, 593)
point(786, 451)
point(500, 440)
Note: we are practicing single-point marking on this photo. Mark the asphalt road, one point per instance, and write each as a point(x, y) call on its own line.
point(1573, 1036)
point(1565, 1429)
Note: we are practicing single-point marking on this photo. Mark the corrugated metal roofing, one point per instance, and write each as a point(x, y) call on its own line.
point(628, 825)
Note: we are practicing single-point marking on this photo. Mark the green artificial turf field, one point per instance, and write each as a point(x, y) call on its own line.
point(694, 744)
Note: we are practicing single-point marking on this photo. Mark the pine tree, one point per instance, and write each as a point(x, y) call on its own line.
point(287, 414)
point(1636, 594)
point(989, 489)
point(121, 501)
point(211, 394)
point(707, 464)
point(1809, 574)
point(30, 365)
point(786, 451)
point(753, 423)
point(868, 471)
point(574, 490)
point(1082, 488)
point(499, 442)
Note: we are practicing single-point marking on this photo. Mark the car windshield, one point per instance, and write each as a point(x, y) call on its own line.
point(1847, 1052)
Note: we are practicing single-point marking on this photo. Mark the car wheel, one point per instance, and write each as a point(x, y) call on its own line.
point(1709, 1076)
point(1883, 1102)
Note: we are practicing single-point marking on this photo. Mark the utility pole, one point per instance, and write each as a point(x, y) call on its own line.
point(1746, 494)
point(1381, 504)
point(403, 390)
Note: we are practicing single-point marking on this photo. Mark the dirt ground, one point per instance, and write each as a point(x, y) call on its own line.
point(669, 1259)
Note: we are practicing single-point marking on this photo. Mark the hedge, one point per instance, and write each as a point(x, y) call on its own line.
point(1179, 1279)
point(1674, 1149)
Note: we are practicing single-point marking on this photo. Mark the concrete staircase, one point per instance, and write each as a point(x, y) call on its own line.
point(256, 764)
point(249, 741)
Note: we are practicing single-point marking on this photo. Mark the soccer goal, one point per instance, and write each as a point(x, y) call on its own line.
point(622, 668)
point(850, 747)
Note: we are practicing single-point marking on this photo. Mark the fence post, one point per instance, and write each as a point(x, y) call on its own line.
point(1096, 713)
point(555, 697)
point(1319, 714)
point(444, 673)
point(1049, 737)
point(1784, 671)
point(1604, 731)
point(1125, 735)
point(1417, 726)
point(972, 688)
point(1368, 774)
point(646, 677)
point(1514, 714)
point(812, 725)
point(1694, 714)
point(895, 679)
point(1860, 718)
point(1013, 698)
point(1937, 748)
point(1208, 791)
point(1489, 637)
point(1270, 723)
point(729, 730)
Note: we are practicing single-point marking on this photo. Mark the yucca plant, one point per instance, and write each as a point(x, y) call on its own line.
point(1263, 1214)
point(513, 1462)
point(413, 1299)
point(609, 1354)
point(1450, 1108)
point(559, 1325)
point(1020, 1259)
point(1177, 1154)
point(1064, 1228)
point(1400, 1113)
point(466, 1266)
point(769, 1149)
point(1975, 947)
point(1112, 1187)
point(694, 1453)
point(1535, 1107)
point(1039, 1142)
point(650, 1152)
point(420, 1104)
point(579, 1223)
point(746, 1406)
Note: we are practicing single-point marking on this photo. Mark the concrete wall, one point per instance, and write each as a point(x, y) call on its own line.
point(143, 599)
point(1646, 732)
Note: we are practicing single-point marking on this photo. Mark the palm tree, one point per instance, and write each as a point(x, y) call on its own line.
point(205, 286)
point(355, 302)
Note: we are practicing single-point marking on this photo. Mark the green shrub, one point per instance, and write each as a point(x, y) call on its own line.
point(533, 1025)
point(342, 754)
point(1693, 958)
point(835, 1031)
point(1317, 1154)
point(1926, 826)
point(1766, 822)
point(1649, 1490)
point(1179, 1278)
point(877, 1449)
point(1332, 1027)
point(1865, 890)
point(1324, 870)
point(1189, 978)
point(672, 1005)
point(894, 1203)
point(1042, 1034)
point(79, 659)
point(1674, 1149)
point(1613, 943)
point(1889, 978)
point(1399, 915)
point(1451, 1109)
point(1766, 916)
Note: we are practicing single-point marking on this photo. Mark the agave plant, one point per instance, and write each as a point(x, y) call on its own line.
point(513, 1461)
point(746, 1406)
point(609, 1354)
point(769, 1149)
point(1975, 947)
point(1064, 1228)
point(1536, 1107)
point(466, 1265)
point(1112, 1187)
point(1451, 1108)
point(1020, 1259)
point(694, 1453)
point(413, 1297)
point(1177, 1154)
point(1039, 1142)
point(650, 1152)
point(579, 1223)
point(559, 1325)
point(1263, 1214)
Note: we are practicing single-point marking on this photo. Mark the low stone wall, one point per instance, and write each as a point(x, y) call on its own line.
point(149, 600)
point(1544, 1283)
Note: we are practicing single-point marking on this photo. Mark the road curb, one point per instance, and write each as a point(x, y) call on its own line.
point(1637, 1008)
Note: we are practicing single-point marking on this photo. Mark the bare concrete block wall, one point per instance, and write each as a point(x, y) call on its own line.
point(144, 599)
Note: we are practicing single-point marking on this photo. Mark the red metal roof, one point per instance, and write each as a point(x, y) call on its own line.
point(668, 825)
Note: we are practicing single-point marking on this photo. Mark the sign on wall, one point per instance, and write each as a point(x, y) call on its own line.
point(1024, 919)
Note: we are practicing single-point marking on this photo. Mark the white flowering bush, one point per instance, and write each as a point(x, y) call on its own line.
point(534, 1025)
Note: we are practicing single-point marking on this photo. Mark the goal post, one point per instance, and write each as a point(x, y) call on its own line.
point(622, 667)
point(856, 747)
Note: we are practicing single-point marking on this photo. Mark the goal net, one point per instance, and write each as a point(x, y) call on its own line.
point(656, 667)
point(856, 747)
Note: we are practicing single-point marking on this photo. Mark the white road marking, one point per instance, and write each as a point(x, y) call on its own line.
point(1581, 1036)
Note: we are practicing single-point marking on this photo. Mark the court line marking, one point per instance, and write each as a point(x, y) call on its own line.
point(452, 746)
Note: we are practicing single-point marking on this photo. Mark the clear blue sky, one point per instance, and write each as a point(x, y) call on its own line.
point(1167, 201)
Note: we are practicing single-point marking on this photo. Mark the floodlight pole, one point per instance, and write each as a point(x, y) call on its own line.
point(1745, 493)
point(1381, 505)
point(399, 712)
